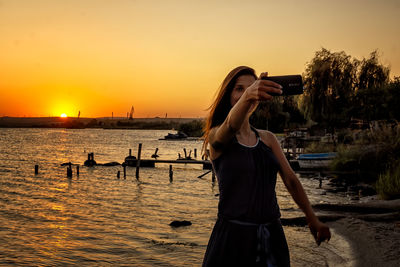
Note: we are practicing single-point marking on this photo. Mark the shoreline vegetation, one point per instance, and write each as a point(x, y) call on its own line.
point(188, 124)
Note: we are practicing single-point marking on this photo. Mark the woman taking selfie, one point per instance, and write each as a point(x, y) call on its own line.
point(248, 231)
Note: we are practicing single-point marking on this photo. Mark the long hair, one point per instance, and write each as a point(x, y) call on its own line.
point(221, 106)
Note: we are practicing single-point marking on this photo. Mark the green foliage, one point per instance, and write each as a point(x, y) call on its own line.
point(372, 153)
point(156, 125)
point(393, 90)
point(388, 184)
point(193, 128)
point(371, 101)
point(372, 74)
point(345, 136)
point(277, 114)
point(329, 82)
point(319, 147)
point(371, 104)
point(339, 87)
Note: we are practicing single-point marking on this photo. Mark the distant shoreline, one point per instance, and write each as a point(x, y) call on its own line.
point(102, 122)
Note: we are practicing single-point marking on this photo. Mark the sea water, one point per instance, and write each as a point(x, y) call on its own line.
point(97, 219)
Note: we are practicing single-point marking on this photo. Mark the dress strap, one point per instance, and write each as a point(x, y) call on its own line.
point(255, 131)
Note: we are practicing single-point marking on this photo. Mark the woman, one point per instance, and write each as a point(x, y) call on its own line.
point(248, 231)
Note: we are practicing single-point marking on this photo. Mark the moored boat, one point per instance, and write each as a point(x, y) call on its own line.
point(179, 135)
point(315, 160)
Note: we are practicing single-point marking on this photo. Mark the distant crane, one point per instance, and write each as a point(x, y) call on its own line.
point(131, 113)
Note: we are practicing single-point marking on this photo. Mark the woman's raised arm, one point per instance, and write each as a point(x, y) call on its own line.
point(250, 95)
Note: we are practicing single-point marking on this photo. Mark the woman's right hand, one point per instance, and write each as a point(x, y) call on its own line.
point(260, 90)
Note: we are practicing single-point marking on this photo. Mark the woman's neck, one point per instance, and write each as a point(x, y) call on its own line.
point(245, 129)
point(245, 135)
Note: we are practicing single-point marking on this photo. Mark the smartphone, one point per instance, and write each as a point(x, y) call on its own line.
point(292, 84)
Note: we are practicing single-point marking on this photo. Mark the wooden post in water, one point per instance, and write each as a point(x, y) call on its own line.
point(138, 161)
point(184, 150)
point(69, 170)
point(36, 169)
point(118, 173)
point(195, 153)
point(124, 171)
point(320, 180)
point(171, 174)
point(77, 170)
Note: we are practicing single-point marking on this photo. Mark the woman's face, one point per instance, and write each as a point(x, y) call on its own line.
point(241, 84)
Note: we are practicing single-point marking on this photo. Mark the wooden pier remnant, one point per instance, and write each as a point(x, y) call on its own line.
point(118, 174)
point(90, 162)
point(155, 156)
point(36, 169)
point(151, 162)
point(69, 170)
point(138, 161)
point(171, 174)
point(77, 170)
point(124, 171)
point(207, 172)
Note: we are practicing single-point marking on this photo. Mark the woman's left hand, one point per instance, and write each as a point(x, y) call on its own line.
point(320, 231)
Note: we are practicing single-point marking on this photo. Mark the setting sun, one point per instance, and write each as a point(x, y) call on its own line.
point(63, 115)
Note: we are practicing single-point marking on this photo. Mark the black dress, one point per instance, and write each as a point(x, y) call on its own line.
point(248, 231)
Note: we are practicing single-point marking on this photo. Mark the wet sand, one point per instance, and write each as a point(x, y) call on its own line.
point(363, 234)
point(374, 238)
point(372, 243)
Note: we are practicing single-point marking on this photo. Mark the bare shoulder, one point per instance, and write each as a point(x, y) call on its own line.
point(268, 137)
point(215, 146)
point(211, 135)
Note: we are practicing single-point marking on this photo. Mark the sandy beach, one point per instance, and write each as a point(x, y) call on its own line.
point(374, 238)
point(363, 234)
point(372, 243)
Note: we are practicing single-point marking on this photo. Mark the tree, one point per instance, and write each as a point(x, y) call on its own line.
point(269, 115)
point(277, 114)
point(393, 89)
point(329, 80)
point(372, 74)
point(371, 101)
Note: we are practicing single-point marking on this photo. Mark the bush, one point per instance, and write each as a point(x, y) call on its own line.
point(345, 136)
point(193, 128)
point(388, 184)
point(319, 147)
point(373, 153)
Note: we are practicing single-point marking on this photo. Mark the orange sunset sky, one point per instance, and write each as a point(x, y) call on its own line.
point(170, 56)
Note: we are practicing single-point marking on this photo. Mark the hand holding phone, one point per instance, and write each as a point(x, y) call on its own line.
point(291, 84)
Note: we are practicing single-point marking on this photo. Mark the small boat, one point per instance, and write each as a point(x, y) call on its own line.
point(315, 160)
point(177, 136)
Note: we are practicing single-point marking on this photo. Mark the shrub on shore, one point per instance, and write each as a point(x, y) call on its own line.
point(388, 184)
point(319, 147)
point(372, 156)
point(193, 128)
